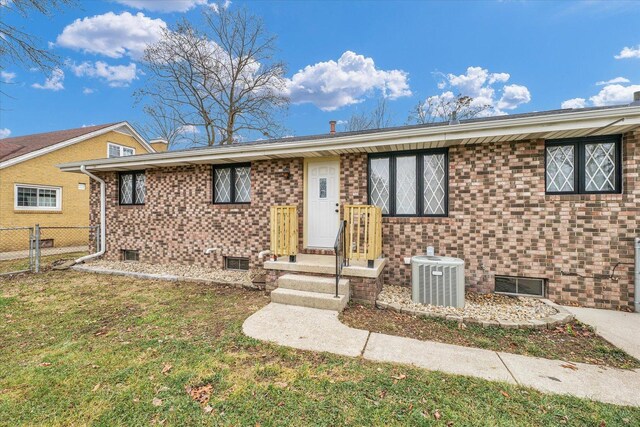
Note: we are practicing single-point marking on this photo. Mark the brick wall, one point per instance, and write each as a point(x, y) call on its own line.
point(178, 221)
point(500, 221)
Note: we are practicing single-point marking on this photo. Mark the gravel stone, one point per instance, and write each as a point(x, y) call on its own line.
point(483, 308)
point(189, 271)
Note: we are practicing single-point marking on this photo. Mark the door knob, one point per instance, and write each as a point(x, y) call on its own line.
point(336, 210)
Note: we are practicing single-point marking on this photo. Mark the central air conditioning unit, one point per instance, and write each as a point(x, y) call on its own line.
point(437, 280)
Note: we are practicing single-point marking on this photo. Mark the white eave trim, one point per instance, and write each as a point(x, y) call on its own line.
point(446, 134)
point(84, 137)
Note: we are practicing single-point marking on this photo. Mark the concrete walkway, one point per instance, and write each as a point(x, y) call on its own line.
point(321, 330)
point(618, 327)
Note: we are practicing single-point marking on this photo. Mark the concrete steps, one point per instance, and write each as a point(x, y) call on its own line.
point(311, 291)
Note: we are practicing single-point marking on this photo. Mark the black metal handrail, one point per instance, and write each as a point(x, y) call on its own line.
point(340, 248)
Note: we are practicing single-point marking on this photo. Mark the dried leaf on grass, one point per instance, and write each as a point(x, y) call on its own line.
point(166, 368)
point(200, 394)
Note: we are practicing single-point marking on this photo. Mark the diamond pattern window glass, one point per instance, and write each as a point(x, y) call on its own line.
point(413, 183)
point(600, 167)
point(132, 188)
point(222, 179)
point(560, 168)
point(243, 184)
point(37, 198)
point(140, 188)
point(434, 191)
point(584, 165)
point(406, 185)
point(232, 184)
point(379, 183)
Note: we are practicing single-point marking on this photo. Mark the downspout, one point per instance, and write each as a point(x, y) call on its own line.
point(636, 288)
point(103, 215)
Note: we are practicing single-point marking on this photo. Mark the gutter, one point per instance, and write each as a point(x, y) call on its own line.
point(103, 215)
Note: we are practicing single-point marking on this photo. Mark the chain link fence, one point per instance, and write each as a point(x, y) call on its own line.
point(35, 249)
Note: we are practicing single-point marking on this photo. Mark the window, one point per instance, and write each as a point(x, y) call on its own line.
point(116, 150)
point(37, 198)
point(583, 165)
point(130, 255)
point(231, 263)
point(410, 183)
point(519, 286)
point(232, 184)
point(132, 188)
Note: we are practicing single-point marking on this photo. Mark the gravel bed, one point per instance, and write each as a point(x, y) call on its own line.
point(190, 271)
point(478, 306)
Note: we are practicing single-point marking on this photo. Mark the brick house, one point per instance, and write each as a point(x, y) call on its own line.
point(544, 203)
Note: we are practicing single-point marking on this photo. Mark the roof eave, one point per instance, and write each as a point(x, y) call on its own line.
point(444, 135)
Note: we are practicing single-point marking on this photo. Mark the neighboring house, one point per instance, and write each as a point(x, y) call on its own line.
point(544, 203)
point(34, 191)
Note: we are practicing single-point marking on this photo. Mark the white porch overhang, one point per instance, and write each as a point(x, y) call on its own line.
point(545, 125)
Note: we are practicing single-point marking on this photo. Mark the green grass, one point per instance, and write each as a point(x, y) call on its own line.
point(80, 349)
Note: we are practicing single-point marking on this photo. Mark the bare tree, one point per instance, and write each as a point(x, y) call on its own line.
point(441, 108)
point(378, 118)
point(17, 45)
point(222, 79)
point(165, 124)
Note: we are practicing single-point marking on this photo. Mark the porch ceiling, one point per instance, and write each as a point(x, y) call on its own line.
point(553, 125)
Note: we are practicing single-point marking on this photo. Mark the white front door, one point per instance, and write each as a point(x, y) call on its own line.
point(323, 203)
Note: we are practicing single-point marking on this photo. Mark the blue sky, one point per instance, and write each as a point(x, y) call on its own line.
point(518, 56)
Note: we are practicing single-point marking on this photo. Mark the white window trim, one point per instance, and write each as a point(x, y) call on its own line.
point(120, 147)
point(58, 206)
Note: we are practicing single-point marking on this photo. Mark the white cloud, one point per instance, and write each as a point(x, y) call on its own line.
point(114, 75)
point(112, 35)
point(7, 77)
point(87, 91)
point(574, 103)
point(610, 94)
point(4, 133)
point(186, 129)
point(484, 87)
point(612, 81)
point(629, 52)
point(513, 96)
point(54, 82)
point(614, 95)
point(330, 85)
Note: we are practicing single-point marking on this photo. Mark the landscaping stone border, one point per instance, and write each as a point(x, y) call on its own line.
point(167, 277)
point(560, 318)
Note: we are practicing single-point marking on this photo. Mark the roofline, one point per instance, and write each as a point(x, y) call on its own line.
point(448, 134)
point(75, 140)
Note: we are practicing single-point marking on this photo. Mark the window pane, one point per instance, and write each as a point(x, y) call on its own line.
point(600, 167)
point(114, 151)
point(322, 184)
point(406, 185)
point(530, 286)
point(126, 189)
point(140, 188)
point(243, 184)
point(27, 197)
point(222, 182)
point(47, 198)
point(379, 184)
point(506, 284)
point(560, 168)
point(434, 184)
point(127, 151)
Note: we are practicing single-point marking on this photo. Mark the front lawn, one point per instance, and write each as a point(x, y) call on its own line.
point(79, 349)
point(573, 341)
